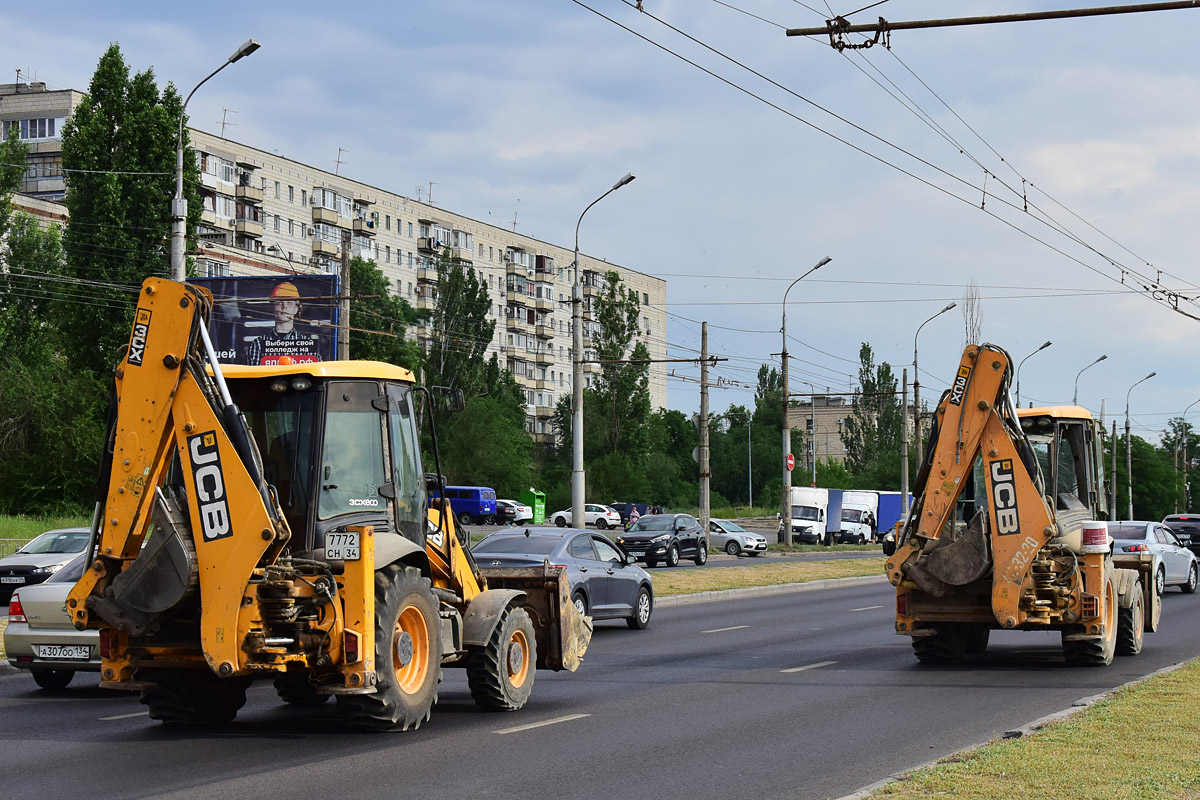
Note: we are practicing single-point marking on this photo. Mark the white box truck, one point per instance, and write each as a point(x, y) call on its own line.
point(860, 517)
point(812, 508)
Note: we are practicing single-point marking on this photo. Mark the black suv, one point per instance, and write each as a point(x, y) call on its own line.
point(1186, 528)
point(665, 537)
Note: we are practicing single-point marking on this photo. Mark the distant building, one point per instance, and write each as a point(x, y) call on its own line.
point(265, 213)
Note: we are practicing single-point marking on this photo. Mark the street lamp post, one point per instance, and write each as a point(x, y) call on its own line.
point(1023, 360)
point(917, 382)
point(811, 443)
point(1186, 488)
point(577, 475)
point(785, 534)
point(1129, 448)
point(1075, 397)
point(179, 202)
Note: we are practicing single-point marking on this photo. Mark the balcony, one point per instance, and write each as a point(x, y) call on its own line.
point(427, 274)
point(544, 438)
point(516, 297)
point(366, 227)
point(545, 331)
point(544, 358)
point(328, 216)
point(543, 411)
point(320, 247)
point(427, 302)
point(514, 324)
point(544, 303)
point(428, 244)
point(249, 227)
point(249, 194)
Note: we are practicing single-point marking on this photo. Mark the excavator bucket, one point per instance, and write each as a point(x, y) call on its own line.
point(563, 634)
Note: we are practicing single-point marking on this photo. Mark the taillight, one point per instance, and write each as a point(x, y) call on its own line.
point(1136, 548)
point(105, 643)
point(15, 612)
point(350, 646)
point(902, 605)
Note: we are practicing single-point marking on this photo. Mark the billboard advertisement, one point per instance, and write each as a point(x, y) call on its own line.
point(256, 320)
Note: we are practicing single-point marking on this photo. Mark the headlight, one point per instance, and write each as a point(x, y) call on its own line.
point(661, 537)
point(46, 570)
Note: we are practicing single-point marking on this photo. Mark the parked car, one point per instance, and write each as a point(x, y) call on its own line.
point(734, 539)
point(602, 517)
point(40, 637)
point(1186, 528)
point(520, 511)
point(666, 538)
point(505, 514)
point(1175, 565)
point(605, 583)
point(40, 558)
point(471, 504)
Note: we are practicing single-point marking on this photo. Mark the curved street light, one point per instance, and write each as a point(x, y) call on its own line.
point(917, 383)
point(1129, 447)
point(1186, 488)
point(1023, 360)
point(179, 202)
point(577, 474)
point(1075, 397)
point(785, 534)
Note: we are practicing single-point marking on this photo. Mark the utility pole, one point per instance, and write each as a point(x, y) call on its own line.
point(904, 448)
point(344, 312)
point(785, 532)
point(1112, 488)
point(704, 465)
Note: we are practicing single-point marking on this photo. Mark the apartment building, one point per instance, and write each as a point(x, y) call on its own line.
point(265, 213)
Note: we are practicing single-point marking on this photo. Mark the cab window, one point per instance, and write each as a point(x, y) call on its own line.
point(409, 500)
point(352, 466)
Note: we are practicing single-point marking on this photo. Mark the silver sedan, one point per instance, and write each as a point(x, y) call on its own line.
point(1175, 565)
point(40, 637)
point(734, 539)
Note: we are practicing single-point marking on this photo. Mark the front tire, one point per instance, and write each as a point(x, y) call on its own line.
point(642, 608)
point(1160, 581)
point(408, 654)
point(673, 555)
point(52, 679)
point(701, 553)
point(1097, 652)
point(601, 524)
point(861, 539)
point(1192, 580)
point(192, 697)
point(464, 519)
point(560, 521)
point(500, 674)
point(733, 548)
point(580, 603)
point(948, 644)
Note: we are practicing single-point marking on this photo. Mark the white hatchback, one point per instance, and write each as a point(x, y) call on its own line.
point(603, 517)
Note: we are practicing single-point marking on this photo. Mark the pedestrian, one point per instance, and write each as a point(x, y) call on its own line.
point(634, 516)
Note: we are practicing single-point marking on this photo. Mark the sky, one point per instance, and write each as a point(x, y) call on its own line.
point(1051, 164)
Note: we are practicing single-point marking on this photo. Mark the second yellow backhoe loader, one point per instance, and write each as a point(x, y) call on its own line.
point(271, 522)
point(1007, 530)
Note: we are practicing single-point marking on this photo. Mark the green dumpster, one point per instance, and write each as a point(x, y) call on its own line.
point(537, 501)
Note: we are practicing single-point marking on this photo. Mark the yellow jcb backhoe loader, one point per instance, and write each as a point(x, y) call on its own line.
point(272, 522)
point(1006, 530)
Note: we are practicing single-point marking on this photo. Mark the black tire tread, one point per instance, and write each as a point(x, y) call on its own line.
point(298, 690)
point(52, 679)
point(487, 675)
point(948, 645)
point(1131, 622)
point(192, 697)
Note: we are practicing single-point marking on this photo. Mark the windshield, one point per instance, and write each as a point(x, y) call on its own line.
point(1126, 531)
point(652, 524)
point(732, 526)
point(1191, 526)
point(805, 512)
point(537, 544)
point(852, 515)
point(352, 468)
point(56, 542)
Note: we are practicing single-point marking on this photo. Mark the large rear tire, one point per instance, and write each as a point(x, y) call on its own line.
point(193, 697)
point(408, 654)
point(1097, 652)
point(500, 674)
point(977, 639)
point(52, 679)
point(1131, 624)
point(947, 645)
point(298, 690)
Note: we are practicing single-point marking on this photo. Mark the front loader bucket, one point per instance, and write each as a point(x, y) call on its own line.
point(563, 634)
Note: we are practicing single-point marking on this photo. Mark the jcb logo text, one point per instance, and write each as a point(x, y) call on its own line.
point(208, 481)
point(1004, 497)
point(137, 342)
point(960, 386)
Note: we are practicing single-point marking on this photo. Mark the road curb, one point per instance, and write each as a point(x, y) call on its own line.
point(7, 668)
point(761, 591)
point(1025, 730)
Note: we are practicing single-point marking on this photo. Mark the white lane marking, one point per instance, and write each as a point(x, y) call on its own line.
point(542, 724)
point(722, 630)
point(866, 608)
point(809, 666)
point(125, 716)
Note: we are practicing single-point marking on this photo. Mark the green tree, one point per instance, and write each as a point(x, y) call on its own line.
point(378, 319)
point(459, 332)
point(623, 389)
point(873, 430)
point(1156, 484)
point(118, 155)
point(12, 172)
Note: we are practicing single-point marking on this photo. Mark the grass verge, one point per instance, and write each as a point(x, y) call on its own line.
point(1130, 746)
point(673, 582)
point(28, 527)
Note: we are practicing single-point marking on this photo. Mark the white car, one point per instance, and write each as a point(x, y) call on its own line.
point(734, 539)
point(521, 512)
point(602, 517)
point(1174, 564)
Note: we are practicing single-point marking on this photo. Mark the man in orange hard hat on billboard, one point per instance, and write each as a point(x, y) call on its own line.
point(284, 339)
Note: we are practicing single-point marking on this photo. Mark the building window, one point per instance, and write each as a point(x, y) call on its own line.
point(387, 222)
point(291, 194)
point(278, 223)
point(645, 298)
point(28, 129)
point(303, 197)
point(276, 190)
point(291, 227)
point(387, 253)
point(410, 230)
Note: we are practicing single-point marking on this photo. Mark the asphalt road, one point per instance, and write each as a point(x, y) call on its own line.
point(800, 695)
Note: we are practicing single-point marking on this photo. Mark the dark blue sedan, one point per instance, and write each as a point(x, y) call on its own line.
point(605, 584)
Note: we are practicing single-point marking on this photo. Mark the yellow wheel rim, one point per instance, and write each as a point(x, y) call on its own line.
point(518, 672)
point(412, 631)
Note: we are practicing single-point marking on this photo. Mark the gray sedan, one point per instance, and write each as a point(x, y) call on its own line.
point(1174, 565)
point(40, 637)
point(734, 539)
point(605, 584)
